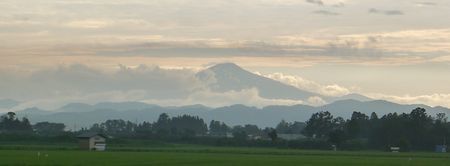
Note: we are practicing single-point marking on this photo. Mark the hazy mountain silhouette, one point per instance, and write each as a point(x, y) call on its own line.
point(352, 96)
point(232, 115)
point(124, 106)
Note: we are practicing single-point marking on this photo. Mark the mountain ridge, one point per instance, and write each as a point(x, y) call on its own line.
point(237, 114)
point(231, 77)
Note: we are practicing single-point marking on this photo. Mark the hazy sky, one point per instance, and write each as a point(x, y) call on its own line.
point(395, 50)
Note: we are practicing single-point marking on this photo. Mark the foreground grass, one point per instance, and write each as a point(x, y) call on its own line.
point(220, 157)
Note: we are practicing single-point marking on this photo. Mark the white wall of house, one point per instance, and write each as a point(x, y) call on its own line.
point(97, 142)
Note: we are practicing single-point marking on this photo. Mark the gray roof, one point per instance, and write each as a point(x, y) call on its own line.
point(91, 134)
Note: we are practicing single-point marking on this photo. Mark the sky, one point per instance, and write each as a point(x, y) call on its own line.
point(58, 51)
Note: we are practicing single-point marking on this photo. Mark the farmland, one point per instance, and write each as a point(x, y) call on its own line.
point(212, 156)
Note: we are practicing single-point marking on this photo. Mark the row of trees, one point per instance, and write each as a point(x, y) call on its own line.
point(414, 131)
point(411, 131)
point(11, 125)
point(180, 126)
point(164, 127)
point(189, 126)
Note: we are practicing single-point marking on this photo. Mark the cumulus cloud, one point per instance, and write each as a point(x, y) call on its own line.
point(246, 97)
point(57, 101)
point(52, 88)
point(80, 80)
point(249, 97)
point(316, 101)
point(437, 99)
point(308, 85)
point(55, 87)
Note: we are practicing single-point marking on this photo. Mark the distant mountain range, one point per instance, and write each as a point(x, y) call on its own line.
point(226, 77)
point(83, 115)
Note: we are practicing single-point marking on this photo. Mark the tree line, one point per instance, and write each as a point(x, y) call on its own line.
point(410, 131)
point(13, 128)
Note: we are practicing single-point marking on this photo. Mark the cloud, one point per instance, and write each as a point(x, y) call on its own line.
point(79, 80)
point(429, 41)
point(437, 99)
point(192, 29)
point(281, 46)
point(324, 3)
point(249, 97)
point(246, 97)
point(424, 4)
point(408, 46)
point(317, 2)
point(57, 101)
point(386, 12)
point(308, 85)
point(88, 24)
point(316, 101)
point(325, 12)
point(55, 87)
point(338, 5)
point(52, 88)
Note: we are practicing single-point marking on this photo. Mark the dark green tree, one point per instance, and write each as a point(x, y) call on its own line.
point(273, 135)
point(284, 127)
point(319, 125)
point(48, 129)
point(162, 126)
point(9, 123)
point(358, 125)
point(218, 128)
point(188, 125)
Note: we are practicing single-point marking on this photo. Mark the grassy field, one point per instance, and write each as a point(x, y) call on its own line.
point(210, 156)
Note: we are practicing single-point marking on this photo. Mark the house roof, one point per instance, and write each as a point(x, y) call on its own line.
point(90, 135)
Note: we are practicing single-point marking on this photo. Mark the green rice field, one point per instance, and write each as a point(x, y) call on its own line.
point(212, 156)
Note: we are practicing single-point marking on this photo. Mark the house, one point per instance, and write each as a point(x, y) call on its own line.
point(92, 141)
point(395, 149)
point(441, 149)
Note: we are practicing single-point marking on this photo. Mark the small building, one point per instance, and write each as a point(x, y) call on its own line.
point(92, 141)
point(395, 149)
point(441, 149)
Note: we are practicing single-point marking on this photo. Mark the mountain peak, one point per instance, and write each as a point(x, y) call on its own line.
point(231, 77)
point(226, 66)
